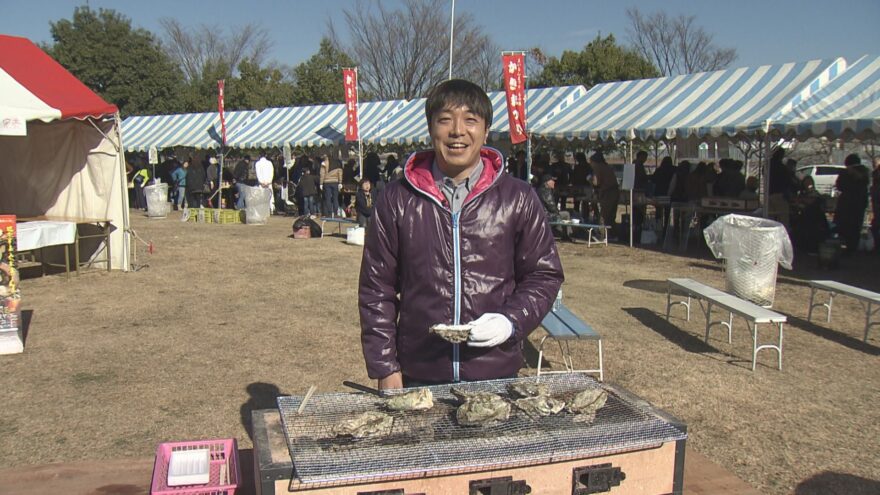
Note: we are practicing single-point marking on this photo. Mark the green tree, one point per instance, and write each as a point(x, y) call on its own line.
point(200, 93)
point(125, 66)
point(319, 79)
point(258, 87)
point(602, 60)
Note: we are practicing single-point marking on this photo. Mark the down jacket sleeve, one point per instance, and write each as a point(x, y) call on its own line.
point(377, 298)
point(538, 270)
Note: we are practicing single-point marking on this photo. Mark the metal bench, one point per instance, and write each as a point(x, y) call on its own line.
point(563, 326)
point(751, 312)
point(339, 221)
point(865, 297)
point(596, 234)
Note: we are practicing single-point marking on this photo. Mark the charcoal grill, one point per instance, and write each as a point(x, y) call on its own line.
point(428, 452)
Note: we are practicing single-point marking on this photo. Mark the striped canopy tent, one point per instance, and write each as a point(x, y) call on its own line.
point(727, 102)
point(320, 125)
point(848, 106)
point(408, 125)
point(192, 130)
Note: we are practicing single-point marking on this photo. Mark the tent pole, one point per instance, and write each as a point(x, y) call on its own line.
point(360, 157)
point(126, 223)
point(529, 159)
point(765, 176)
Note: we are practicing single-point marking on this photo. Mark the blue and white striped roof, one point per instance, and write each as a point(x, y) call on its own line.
point(193, 130)
point(848, 104)
point(319, 125)
point(408, 125)
point(716, 103)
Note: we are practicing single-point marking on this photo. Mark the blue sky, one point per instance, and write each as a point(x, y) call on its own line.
point(763, 32)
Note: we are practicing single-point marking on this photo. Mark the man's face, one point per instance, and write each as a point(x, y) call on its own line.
point(457, 134)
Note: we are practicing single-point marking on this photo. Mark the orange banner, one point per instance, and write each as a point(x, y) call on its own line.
point(515, 87)
point(349, 81)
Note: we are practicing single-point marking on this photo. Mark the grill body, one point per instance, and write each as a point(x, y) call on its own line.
point(631, 446)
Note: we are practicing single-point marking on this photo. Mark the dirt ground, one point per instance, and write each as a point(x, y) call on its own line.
point(225, 317)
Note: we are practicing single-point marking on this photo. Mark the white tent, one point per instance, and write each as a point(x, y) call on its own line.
point(60, 147)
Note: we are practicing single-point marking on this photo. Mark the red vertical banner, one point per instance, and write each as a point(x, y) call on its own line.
point(220, 85)
point(350, 85)
point(515, 87)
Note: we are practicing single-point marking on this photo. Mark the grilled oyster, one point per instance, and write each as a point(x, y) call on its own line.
point(480, 408)
point(368, 424)
point(540, 406)
point(452, 333)
point(585, 404)
point(527, 389)
point(415, 400)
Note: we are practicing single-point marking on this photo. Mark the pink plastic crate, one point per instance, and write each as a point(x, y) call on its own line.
point(223, 459)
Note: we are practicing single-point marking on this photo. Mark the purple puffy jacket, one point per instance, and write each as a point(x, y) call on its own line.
point(423, 265)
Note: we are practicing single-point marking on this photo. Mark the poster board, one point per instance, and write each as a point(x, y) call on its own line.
point(10, 294)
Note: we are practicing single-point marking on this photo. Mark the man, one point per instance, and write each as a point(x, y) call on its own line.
point(561, 172)
point(547, 195)
point(265, 172)
point(240, 177)
point(178, 181)
point(849, 214)
point(607, 189)
point(640, 185)
point(456, 241)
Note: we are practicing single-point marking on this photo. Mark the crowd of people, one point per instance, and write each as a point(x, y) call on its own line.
point(570, 186)
point(793, 201)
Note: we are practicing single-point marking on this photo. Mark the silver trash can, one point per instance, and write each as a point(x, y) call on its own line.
point(752, 249)
point(256, 204)
point(157, 200)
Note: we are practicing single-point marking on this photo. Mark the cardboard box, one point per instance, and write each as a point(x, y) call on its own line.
point(10, 295)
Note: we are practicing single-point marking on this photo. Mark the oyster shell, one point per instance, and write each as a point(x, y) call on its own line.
point(368, 424)
point(452, 333)
point(527, 389)
point(415, 400)
point(480, 408)
point(540, 406)
point(585, 404)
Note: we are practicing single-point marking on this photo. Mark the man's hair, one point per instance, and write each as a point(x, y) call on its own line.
point(852, 159)
point(456, 93)
point(642, 153)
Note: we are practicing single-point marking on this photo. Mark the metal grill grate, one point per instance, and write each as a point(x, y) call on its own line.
point(431, 442)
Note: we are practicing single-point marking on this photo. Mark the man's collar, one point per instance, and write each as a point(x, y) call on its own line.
point(440, 177)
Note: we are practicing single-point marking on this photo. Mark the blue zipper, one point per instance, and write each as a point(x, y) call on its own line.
point(456, 255)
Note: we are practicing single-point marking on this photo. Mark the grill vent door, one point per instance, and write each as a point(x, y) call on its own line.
point(595, 479)
point(499, 486)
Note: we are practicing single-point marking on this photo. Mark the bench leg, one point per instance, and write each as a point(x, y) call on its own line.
point(756, 347)
point(541, 353)
point(810, 309)
point(708, 318)
point(830, 302)
point(601, 366)
point(869, 313)
point(668, 302)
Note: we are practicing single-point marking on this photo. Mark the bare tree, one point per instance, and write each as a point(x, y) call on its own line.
point(403, 53)
point(208, 49)
point(676, 45)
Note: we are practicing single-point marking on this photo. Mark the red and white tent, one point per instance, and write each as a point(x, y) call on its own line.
point(60, 147)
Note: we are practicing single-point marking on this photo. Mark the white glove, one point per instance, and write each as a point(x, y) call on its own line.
point(490, 330)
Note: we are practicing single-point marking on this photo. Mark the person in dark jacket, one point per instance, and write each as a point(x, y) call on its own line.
point(308, 190)
point(849, 214)
point(457, 241)
point(195, 184)
point(363, 202)
point(607, 189)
